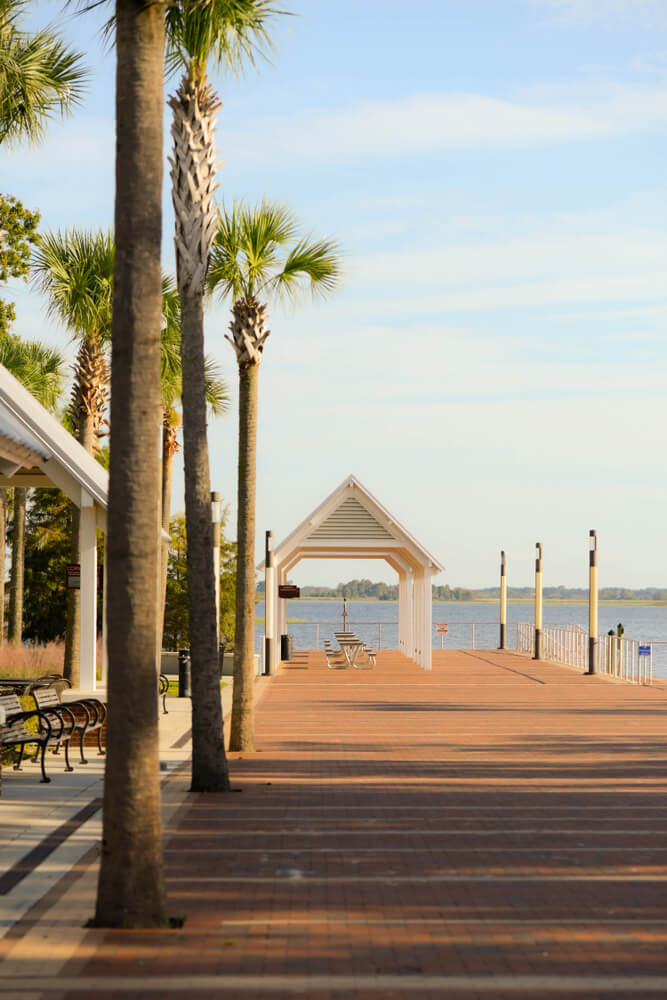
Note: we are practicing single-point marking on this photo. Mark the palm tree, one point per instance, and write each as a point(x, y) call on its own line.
point(130, 889)
point(39, 76)
point(217, 399)
point(41, 370)
point(227, 34)
point(257, 255)
point(74, 270)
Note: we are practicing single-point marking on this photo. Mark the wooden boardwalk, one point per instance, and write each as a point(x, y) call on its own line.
point(496, 828)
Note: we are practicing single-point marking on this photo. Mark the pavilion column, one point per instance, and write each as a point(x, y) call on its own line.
point(402, 596)
point(88, 563)
point(427, 620)
point(417, 612)
point(408, 614)
point(272, 641)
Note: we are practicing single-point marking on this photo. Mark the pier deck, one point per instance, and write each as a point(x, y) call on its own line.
point(495, 828)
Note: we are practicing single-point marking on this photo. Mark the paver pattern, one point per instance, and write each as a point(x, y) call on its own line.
point(493, 828)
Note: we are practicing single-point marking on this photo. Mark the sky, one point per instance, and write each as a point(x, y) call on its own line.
point(492, 367)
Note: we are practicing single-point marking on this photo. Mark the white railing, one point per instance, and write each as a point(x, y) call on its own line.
point(568, 644)
point(525, 638)
point(620, 657)
point(565, 644)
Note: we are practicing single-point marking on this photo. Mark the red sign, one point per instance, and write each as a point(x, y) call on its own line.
point(442, 627)
point(288, 591)
point(73, 576)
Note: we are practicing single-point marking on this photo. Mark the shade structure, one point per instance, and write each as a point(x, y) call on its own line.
point(37, 451)
point(352, 523)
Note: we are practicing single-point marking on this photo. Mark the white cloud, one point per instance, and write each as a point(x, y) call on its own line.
point(431, 123)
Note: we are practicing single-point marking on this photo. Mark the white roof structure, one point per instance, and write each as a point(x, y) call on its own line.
point(37, 451)
point(352, 523)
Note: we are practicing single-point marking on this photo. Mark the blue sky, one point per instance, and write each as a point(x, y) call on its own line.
point(493, 366)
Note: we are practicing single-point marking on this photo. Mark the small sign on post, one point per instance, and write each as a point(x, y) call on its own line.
point(288, 591)
point(73, 576)
point(442, 627)
point(645, 650)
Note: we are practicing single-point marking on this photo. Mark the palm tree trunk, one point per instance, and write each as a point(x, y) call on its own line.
point(3, 532)
point(209, 763)
point(131, 887)
point(15, 631)
point(242, 735)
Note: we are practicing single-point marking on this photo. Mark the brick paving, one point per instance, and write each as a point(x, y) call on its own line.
point(494, 828)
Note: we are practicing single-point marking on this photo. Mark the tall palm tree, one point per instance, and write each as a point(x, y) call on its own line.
point(74, 270)
point(41, 369)
point(130, 889)
point(217, 399)
point(257, 255)
point(226, 33)
point(39, 76)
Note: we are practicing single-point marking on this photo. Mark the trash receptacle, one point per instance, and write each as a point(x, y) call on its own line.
point(184, 674)
point(286, 646)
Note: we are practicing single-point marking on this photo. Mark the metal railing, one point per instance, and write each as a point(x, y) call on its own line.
point(620, 657)
point(568, 644)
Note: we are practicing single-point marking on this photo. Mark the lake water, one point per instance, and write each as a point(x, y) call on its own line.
point(376, 622)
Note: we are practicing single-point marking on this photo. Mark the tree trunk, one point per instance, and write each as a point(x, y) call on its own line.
point(209, 762)
point(3, 534)
point(72, 661)
point(131, 887)
point(242, 735)
point(15, 630)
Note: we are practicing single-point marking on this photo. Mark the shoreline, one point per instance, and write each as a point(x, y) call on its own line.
point(555, 601)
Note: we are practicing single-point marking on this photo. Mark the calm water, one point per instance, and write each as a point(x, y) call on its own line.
point(376, 622)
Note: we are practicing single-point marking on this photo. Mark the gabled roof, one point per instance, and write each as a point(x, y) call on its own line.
point(32, 443)
point(351, 521)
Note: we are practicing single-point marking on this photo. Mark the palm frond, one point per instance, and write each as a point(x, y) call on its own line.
point(317, 265)
point(74, 270)
point(217, 390)
point(40, 368)
point(40, 77)
point(228, 33)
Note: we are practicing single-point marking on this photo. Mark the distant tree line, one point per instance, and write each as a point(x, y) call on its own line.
point(367, 590)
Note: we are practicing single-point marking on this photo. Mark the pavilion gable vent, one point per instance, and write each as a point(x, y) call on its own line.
point(349, 520)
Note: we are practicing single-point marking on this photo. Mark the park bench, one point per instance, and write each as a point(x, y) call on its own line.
point(163, 691)
point(88, 714)
point(336, 659)
point(49, 729)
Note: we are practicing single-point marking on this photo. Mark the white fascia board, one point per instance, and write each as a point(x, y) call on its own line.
point(39, 430)
point(351, 485)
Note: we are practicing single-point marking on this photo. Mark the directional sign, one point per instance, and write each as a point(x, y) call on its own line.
point(645, 650)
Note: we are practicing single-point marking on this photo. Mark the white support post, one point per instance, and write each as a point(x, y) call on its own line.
point(401, 612)
point(270, 641)
point(408, 613)
point(417, 612)
point(105, 650)
point(88, 562)
point(427, 621)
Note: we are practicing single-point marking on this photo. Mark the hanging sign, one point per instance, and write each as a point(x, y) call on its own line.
point(288, 591)
point(73, 576)
point(442, 627)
